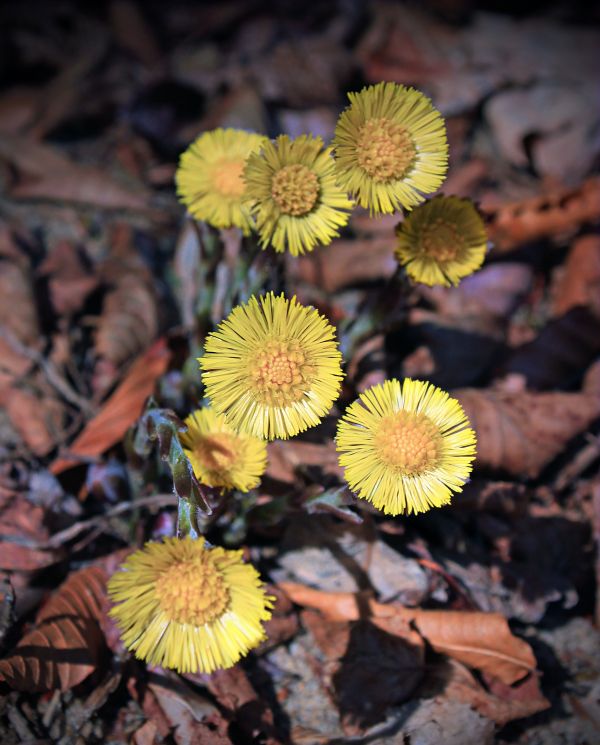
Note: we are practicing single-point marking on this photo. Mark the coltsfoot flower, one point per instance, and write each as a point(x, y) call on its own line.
point(272, 367)
point(442, 241)
point(390, 147)
point(294, 197)
point(219, 455)
point(405, 447)
point(209, 177)
point(181, 605)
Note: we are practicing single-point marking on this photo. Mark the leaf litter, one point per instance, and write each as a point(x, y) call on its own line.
point(468, 625)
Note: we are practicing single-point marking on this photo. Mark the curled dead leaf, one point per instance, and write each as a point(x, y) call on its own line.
point(65, 645)
point(579, 283)
point(556, 214)
point(481, 640)
point(522, 432)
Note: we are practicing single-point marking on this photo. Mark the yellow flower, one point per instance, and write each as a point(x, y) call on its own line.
point(219, 455)
point(442, 241)
point(405, 447)
point(294, 196)
point(272, 367)
point(181, 605)
point(390, 147)
point(209, 177)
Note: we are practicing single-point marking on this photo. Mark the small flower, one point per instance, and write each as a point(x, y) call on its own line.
point(209, 177)
point(390, 147)
point(181, 605)
point(272, 367)
point(405, 447)
point(219, 455)
point(294, 196)
point(442, 241)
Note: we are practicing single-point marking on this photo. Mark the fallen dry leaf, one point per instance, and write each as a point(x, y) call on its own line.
point(579, 282)
point(65, 645)
point(43, 172)
point(557, 214)
point(343, 263)
point(129, 319)
point(481, 640)
point(22, 520)
point(284, 458)
point(121, 410)
point(524, 431)
point(459, 684)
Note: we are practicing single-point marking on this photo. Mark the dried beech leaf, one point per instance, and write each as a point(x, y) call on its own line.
point(344, 263)
point(37, 417)
point(19, 519)
point(121, 410)
point(16, 291)
point(522, 432)
point(459, 684)
point(579, 283)
point(129, 320)
point(64, 647)
point(557, 214)
point(44, 173)
point(481, 640)
point(285, 458)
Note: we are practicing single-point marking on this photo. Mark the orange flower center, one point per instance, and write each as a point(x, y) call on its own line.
point(218, 451)
point(384, 150)
point(408, 442)
point(227, 177)
point(295, 188)
point(281, 372)
point(193, 592)
point(441, 240)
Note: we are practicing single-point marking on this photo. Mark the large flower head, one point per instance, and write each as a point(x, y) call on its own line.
point(442, 241)
point(181, 605)
point(405, 447)
point(219, 455)
point(272, 367)
point(390, 147)
point(209, 177)
point(294, 196)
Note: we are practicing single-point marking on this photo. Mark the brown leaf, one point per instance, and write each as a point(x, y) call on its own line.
point(480, 640)
point(504, 705)
point(557, 214)
point(45, 173)
point(65, 646)
point(129, 320)
point(235, 693)
point(22, 520)
point(121, 410)
point(524, 431)
point(579, 283)
point(344, 263)
point(180, 713)
point(368, 668)
point(69, 280)
point(38, 418)
point(286, 457)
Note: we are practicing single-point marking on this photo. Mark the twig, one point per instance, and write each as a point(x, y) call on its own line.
point(58, 539)
point(52, 375)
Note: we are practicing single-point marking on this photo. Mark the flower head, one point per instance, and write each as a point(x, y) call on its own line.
point(295, 199)
point(209, 177)
point(390, 147)
point(442, 241)
point(219, 455)
point(405, 447)
point(181, 605)
point(272, 367)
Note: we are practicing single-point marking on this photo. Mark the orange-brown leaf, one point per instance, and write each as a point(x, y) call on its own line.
point(579, 283)
point(524, 431)
point(64, 647)
point(121, 410)
point(480, 640)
